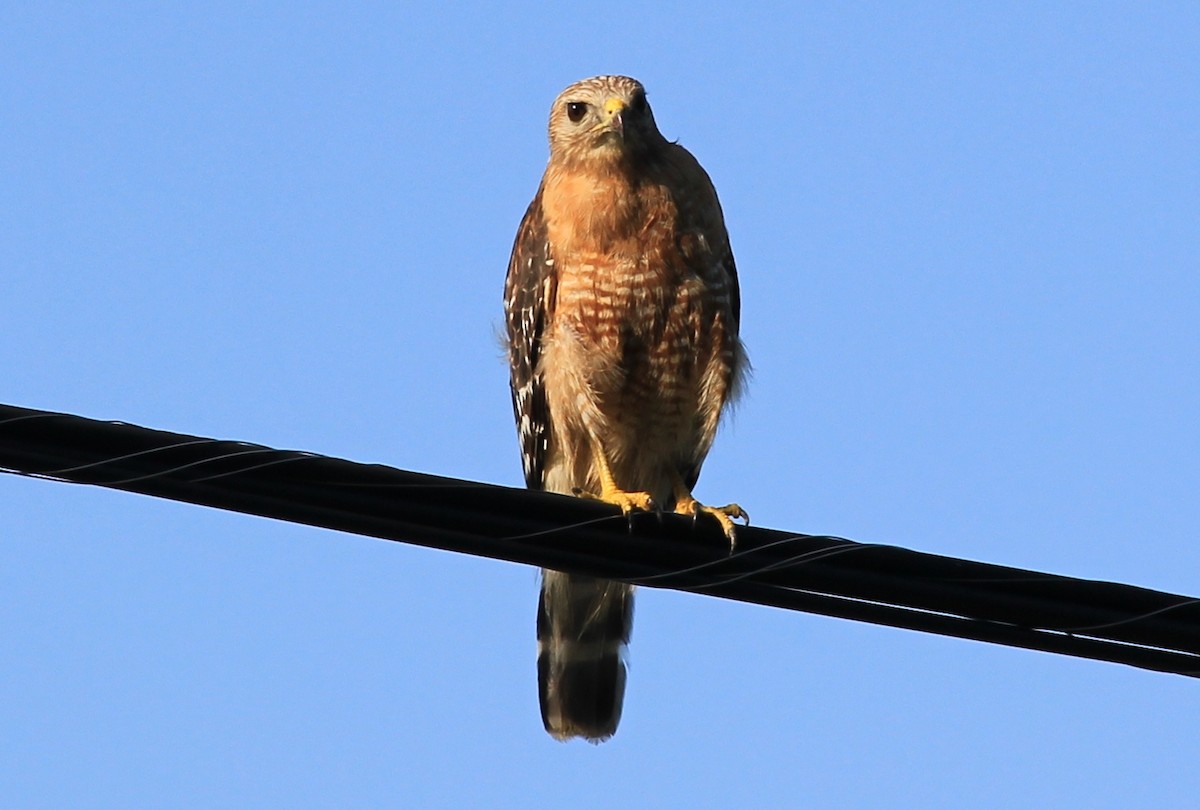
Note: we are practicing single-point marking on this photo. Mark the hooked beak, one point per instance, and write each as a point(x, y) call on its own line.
point(614, 116)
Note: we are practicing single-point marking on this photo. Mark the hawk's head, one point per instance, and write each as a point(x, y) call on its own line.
point(604, 118)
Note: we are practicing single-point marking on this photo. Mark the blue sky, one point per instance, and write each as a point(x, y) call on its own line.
point(969, 244)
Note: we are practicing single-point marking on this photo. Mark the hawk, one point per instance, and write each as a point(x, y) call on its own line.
point(621, 313)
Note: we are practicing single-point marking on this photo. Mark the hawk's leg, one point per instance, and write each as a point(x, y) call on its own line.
point(686, 504)
point(611, 493)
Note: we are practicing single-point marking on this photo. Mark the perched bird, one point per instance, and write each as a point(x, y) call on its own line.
point(621, 313)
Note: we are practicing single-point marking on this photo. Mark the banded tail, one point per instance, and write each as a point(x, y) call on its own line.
point(583, 626)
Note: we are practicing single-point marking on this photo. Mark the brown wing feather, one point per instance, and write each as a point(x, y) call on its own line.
point(700, 210)
point(528, 304)
point(692, 473)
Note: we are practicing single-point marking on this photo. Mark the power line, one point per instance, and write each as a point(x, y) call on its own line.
point(826, 575)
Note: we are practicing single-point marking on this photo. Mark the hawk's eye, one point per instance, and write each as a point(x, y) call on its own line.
point(576, 110)
point(639, 103)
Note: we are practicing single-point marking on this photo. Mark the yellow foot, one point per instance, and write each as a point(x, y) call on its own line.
point(687, 505)
point(611, 493)
point(627, 501)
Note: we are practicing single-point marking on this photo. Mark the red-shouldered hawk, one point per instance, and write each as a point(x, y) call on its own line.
point(622, 310)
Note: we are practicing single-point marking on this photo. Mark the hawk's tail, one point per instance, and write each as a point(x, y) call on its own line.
point(583, 626)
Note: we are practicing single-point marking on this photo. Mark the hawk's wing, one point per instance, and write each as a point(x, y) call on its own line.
point(528, 305)
point(729, 269)
point(701, 211)
point(735, 293)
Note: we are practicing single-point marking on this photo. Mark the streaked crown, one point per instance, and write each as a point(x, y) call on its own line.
point(604, 116)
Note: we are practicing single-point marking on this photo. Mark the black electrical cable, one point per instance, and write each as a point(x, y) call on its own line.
point(826, 575)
